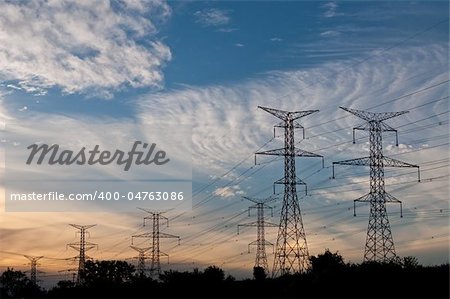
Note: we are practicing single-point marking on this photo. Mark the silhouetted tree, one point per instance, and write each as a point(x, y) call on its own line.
point(410, 262)
point(173, 277)
point(214, 274)
point(15, 284)
point(259, 273)
point(107, 272)
point(65, 284)
point(329, 278)
point(327, 262)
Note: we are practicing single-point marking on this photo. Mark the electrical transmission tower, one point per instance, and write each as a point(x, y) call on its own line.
point(82, 247)
point(155, 235)
point(33, 269)
point(141, 258)
point(291, 253)
point(261, 243)
point(379, 242)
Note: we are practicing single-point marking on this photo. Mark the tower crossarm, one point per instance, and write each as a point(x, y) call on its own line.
point(383, 127)
point(283, 125)
point(260, 243)
point(86, 227)
point(87, 245)
point(164, 235)
point(144, 235)
point(33, 258)
point(141, 249)
point(387, 162)
point(284, 180)
point(152, 235)
point(284, 152)
point(373, 116)
point(370, 197)
point(390, 162)
point(260, 201)
point(287, 115)
point(256, 223)
point(364, 161)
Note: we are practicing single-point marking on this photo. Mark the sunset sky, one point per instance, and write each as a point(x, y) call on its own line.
point(209, 65)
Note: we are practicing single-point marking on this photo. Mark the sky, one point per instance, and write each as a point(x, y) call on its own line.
point(209, 65)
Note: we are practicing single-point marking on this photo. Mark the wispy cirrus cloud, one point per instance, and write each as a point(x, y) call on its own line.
point(227, 30)
point(331, 10)
point(330, 33)
point(212, 17)
point(229, 191)
point(82, 47)
point(230, 126)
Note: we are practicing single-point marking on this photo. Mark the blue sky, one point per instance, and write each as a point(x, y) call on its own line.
point(210, 64)
point(222, 42)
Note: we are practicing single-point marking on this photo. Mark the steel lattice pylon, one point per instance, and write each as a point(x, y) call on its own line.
point(82, 247)
point(155, 235)
point(379, 242)
point(260, 242)
point(141, 259)
point(33, 269)
point(291, 253)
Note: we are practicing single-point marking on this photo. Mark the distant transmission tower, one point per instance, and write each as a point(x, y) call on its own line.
point(141, 258)
point(33, 269)
point(379, 241)
point(82, 247)
point(155, 235)
point(291, 253)
point(261, 243)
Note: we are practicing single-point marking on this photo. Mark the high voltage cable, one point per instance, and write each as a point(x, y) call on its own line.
point(370, 56)
point(232, 235)
point(426, 148)
point(415, 92)
point(401, 153)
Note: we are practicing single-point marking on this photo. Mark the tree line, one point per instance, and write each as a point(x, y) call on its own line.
point(329, 276)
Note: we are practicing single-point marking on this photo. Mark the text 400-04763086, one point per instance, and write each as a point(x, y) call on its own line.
point(143, 195)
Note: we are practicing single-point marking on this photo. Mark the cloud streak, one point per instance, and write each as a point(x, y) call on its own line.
point(212, 17)
point(82, 47)
point(226, 121)
point(330, 10)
